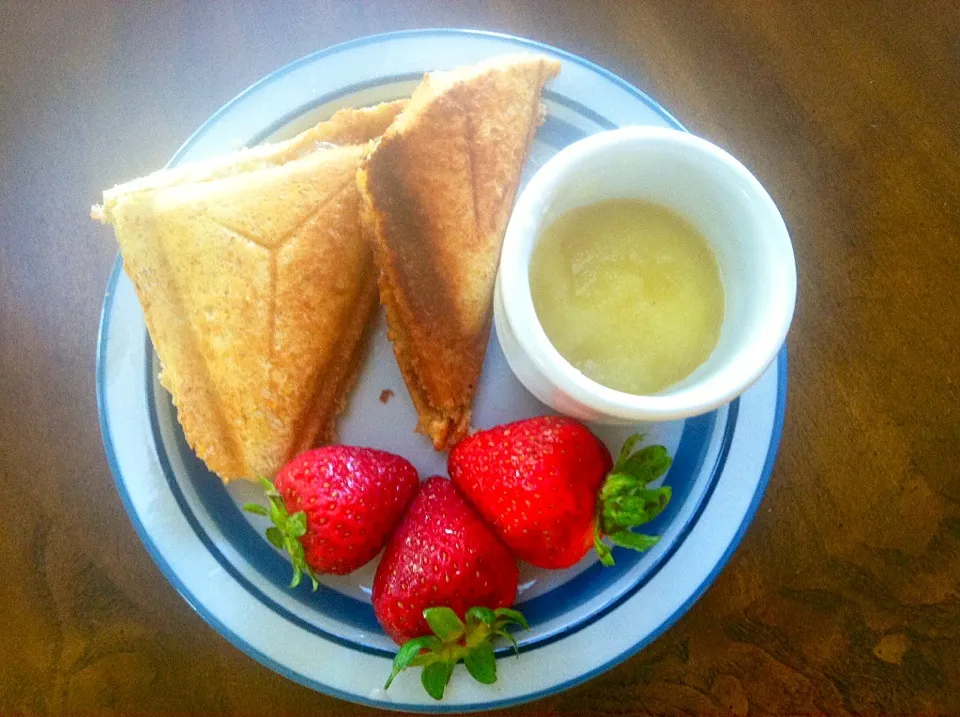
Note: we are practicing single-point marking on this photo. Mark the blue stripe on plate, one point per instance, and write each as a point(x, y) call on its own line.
point(579, 108)
point(227, 632)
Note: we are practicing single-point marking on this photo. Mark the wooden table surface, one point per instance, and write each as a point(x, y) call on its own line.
point(843, 597)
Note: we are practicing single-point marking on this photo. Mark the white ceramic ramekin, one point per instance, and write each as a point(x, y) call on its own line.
point(722, 199)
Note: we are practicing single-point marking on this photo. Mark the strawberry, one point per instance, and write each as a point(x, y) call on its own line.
point(443, 588)
point(545, 486)
point(333, 508)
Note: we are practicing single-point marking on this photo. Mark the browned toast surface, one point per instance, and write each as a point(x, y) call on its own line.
point(256, 287)
point(437, 193)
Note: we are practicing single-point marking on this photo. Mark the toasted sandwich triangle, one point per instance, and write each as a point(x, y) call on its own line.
point(437, 193)
point(256, 288)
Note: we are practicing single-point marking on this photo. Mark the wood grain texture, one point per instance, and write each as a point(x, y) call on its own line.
point(843, 597)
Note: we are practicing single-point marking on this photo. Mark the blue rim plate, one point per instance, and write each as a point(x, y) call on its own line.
point(215, 555)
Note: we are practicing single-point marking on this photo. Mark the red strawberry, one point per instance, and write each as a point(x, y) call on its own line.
point(333, 508)
point(543, 485)
point(441, 568)
point(441, 554)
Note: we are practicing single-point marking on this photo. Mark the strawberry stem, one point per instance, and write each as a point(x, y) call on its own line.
point(286, 531)
point(625, 500)
point(453, 641)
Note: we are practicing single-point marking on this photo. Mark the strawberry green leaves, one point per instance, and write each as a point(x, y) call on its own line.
point(481, 663)
point(435, 677)
point(646, 465)
point(286, 531)
point(634, 541)
point(497, 621)
point(410, 652)
point(626, 501)
point(455, 640)
point(444, 623)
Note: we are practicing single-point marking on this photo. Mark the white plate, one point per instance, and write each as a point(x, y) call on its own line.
point(584, 620)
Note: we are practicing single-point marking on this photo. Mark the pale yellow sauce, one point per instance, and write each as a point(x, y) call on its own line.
point(629, 293)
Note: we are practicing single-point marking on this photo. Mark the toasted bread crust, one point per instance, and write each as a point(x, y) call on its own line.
point(257, 288)
point(437, 192)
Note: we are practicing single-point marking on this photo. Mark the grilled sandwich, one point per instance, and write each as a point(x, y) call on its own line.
point(256, 287)
point(436, 195)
